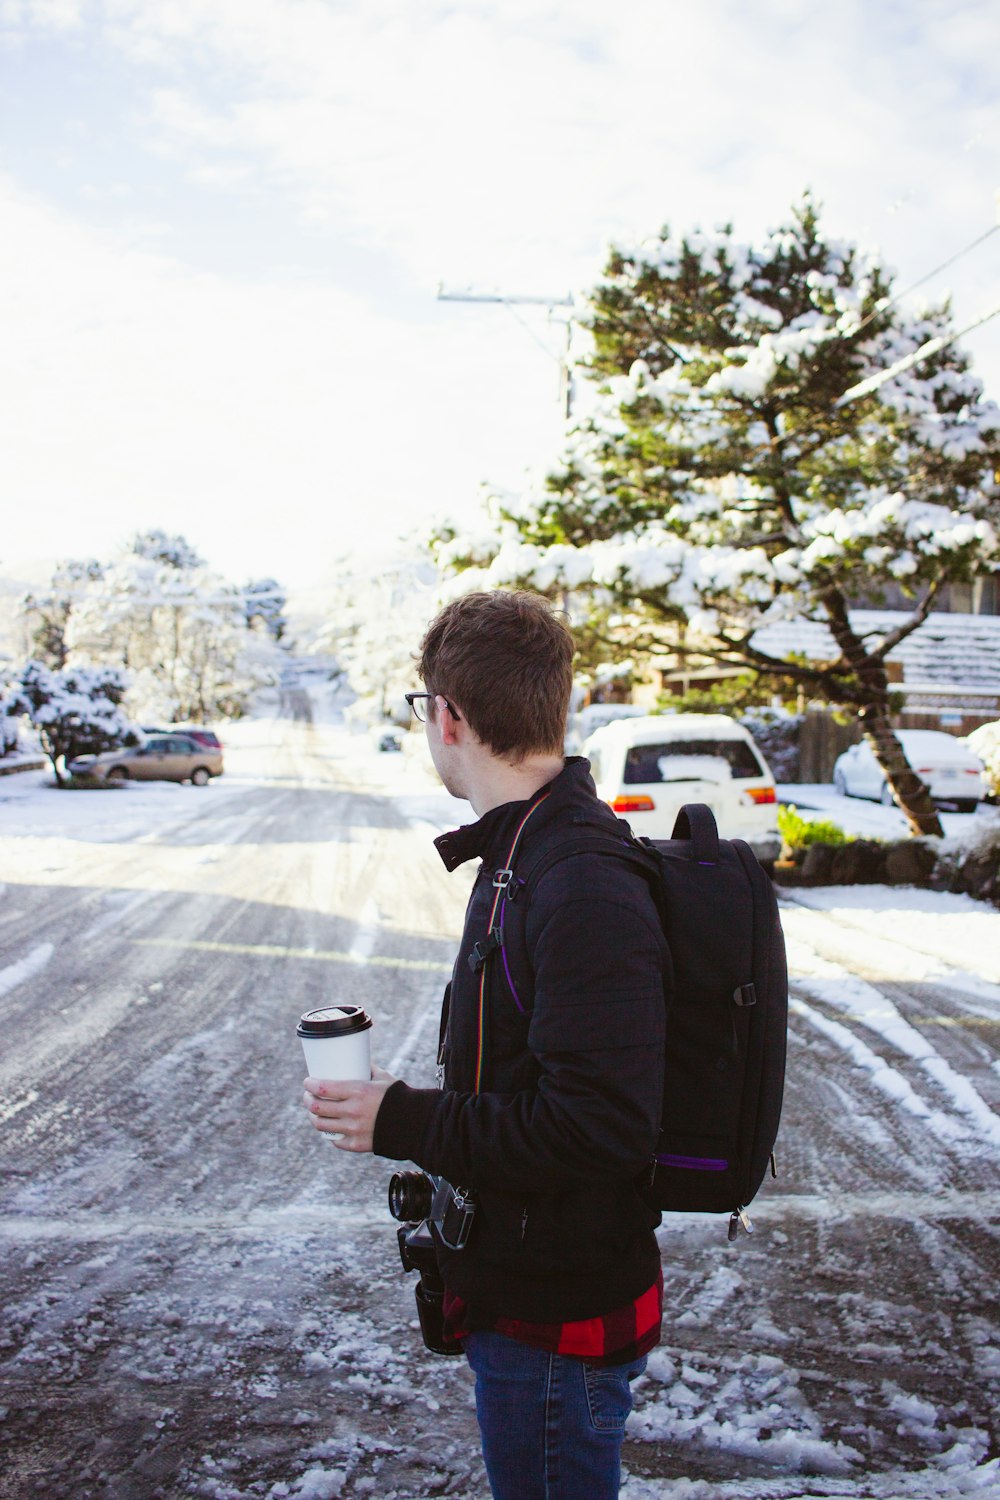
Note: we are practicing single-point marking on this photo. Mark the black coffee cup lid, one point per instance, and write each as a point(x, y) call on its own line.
point(334, 1020)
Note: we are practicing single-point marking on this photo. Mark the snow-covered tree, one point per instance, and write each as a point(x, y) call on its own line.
point(47, 615)
point(730, 474)
point(264, 600)
point(12, 706)
point(179, 629)
point(77, 711)
point(173, 551)
point(374, 625)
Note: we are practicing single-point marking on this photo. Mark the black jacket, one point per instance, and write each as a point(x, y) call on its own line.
point(569, 1105)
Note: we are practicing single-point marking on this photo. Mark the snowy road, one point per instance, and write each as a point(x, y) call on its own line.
point(202, 1298)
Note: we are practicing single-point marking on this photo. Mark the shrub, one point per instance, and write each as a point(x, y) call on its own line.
point(76, 711)
point(799, 832)
point(777, 732)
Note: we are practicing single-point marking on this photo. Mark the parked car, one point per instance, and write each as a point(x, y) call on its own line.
point(389, 740)
point(159, 757)
point(193, 731)
point(953, 773)
point(647, 768)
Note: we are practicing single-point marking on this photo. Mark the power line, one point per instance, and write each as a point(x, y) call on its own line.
point(443, 296)
point(510, 302)
point(933, 346)
point(863, 388)
point(888, 302)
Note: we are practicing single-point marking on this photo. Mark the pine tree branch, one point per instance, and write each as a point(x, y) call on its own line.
point(892, 640)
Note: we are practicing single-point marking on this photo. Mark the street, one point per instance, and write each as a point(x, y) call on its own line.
point(203, 1298)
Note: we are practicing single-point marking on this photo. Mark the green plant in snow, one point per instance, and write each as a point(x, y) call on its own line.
point(799, 832)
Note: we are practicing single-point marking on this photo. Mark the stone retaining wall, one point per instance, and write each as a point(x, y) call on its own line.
point(976, 872)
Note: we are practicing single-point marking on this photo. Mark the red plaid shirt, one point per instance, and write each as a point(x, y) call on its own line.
point(616, 1338)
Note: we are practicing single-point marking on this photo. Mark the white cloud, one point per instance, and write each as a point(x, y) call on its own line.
point(472, 141)
point(506, 141)
point(272, 423)
point(60, 15)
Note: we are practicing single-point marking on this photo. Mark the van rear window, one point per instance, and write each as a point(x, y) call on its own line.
point(642, 762)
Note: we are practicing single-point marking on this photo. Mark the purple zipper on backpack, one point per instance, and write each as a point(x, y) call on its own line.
point(691, 1163)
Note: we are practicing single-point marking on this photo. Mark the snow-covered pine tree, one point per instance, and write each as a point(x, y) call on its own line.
point(719, 482)
point(170, 551)
point(265, 600)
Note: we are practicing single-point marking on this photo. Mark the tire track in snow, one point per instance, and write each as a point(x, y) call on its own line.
point(819, 978)
point(25, 968)
point(887, 1079)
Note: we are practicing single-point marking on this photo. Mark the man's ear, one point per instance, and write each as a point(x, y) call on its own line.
point(447, 725)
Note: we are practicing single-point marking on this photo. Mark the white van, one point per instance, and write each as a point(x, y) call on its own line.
point(647, 768)
point(582, 725)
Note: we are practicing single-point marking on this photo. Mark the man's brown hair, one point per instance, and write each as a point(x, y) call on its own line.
point(506, 660)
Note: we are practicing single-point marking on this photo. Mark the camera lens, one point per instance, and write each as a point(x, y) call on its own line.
point(410, 1196)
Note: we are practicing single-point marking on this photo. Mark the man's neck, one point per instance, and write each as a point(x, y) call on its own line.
point(494, 782)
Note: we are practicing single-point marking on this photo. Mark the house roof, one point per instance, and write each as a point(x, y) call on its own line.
point(948, 653)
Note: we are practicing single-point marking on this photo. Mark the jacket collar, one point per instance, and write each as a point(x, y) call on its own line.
point(486, 839)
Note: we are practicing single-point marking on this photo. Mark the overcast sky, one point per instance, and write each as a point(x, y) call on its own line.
point(223, 224)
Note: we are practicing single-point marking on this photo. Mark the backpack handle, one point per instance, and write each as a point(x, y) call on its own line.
point(696, 821)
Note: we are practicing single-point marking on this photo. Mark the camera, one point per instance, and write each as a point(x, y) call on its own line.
point(426, 1206)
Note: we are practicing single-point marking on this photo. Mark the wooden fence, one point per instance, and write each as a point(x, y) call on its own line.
point(821, 740)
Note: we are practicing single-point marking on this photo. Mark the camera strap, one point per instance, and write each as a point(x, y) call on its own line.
point(494, 937)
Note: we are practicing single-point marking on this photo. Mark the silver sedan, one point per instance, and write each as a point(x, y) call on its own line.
point(942, 761)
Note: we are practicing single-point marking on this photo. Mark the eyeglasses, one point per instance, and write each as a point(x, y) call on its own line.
point(415, 700)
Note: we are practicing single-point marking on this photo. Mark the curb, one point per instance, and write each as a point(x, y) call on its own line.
point(22, 765)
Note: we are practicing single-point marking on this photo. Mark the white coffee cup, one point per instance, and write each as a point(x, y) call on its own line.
point(337, 1042)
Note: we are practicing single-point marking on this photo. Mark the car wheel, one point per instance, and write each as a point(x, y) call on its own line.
point(885, 796)
point(966, 805)
point(117, 773)
point(840, 783)
point(199, 777)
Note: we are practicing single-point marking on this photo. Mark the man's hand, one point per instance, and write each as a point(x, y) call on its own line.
point(346, 1111)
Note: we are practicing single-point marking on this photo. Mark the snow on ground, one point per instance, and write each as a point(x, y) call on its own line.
point(896, 934)
point(50, 828)
point(940, 932)
point(32, 806)
point(848, 947)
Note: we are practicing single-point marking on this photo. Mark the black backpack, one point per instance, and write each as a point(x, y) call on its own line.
point(727, 1008)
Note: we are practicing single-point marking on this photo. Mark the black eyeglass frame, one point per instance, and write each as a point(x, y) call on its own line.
point(411, 697)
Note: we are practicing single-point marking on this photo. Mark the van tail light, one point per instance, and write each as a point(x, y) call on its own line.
point(633, 804)
point(970, 772)
point(761, 794)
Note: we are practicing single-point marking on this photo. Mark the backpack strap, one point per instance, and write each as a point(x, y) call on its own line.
point(517, 885)
point(696, 821)
point(494, 938)
point(584, 841)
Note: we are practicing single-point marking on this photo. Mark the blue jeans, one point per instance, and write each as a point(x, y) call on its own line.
point(551, 1426)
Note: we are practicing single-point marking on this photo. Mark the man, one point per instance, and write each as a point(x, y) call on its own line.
point(552, 1052)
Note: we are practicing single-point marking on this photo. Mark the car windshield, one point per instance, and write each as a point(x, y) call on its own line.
point(642, 763)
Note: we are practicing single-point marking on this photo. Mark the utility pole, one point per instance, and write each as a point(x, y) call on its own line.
point(498, 298)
